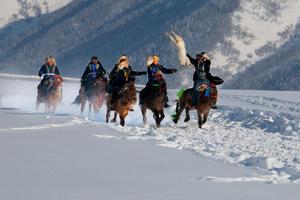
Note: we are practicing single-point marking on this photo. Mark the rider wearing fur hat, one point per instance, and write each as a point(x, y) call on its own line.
point(121, 74)
point(49, 67)
point(155, 76)
point(202, 73)
point(93, 70)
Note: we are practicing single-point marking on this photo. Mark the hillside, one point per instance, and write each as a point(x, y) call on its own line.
point(237, 34)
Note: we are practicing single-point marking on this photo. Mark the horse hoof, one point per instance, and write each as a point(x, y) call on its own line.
point(187, 119)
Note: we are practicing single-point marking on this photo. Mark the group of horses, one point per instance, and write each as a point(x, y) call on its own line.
point(153, 99)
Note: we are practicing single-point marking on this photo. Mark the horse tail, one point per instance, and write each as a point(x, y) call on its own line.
point(77, 100)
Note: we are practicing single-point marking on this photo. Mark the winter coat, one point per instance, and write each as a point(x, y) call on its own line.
point(202, 70)
point(46, 69)
point(119, 77)
point(155, 73)
point(92, 71)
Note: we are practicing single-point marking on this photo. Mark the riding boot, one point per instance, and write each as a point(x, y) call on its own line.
point(195, 97)
point(166, 101)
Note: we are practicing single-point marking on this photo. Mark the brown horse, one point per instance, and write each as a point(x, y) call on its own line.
point(125, 99)
point(50, 93)
point(94, 92)
point(203, 106)
point(153, 98)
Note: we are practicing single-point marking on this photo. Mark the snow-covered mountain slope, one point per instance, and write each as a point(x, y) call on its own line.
point(237, 34)
point(256, 129)
point(259, 28)
point(8, 8)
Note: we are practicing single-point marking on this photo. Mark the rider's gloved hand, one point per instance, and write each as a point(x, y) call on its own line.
point(174, 70)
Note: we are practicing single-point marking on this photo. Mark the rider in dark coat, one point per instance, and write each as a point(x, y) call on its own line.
point(93, 70)
point(121, 74)
point(155, 77)
point(48, 68)
point(202, 74)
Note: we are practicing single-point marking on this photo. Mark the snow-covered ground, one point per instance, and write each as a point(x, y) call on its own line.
point(250, 141)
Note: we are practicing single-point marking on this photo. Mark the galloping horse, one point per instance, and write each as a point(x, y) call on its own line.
point(50, 92)
point(124, 101)
point(203, 105)
point(94, 93)
point(152, 97)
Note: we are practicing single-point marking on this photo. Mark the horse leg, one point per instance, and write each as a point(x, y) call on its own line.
point(107, 114)
point(179, 109)
point(157, 118)
point(115, 117)
point(200, 118)
point(83, 102)
point(90, 108)
point(162, 115)
point(122, 119)
point(54, 108)
point(47, 107)
point(205, 117)
point(96, 108)
point(37, 105)
point(144, 110)
point(187, 114)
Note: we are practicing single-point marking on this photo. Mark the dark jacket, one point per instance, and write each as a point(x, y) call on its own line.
point(155, 73)
point(200, 69)
point(119, 77)
point(45, 69)
point(95, 71)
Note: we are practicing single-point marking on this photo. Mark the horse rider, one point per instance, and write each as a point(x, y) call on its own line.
point(155, 76)
point(121, 74)
point(202, 74)
point(49, 68)
point(93, 71)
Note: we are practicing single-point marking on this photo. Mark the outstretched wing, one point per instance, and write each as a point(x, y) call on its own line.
point(181, 50)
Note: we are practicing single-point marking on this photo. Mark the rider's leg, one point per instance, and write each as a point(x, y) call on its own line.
point(164, 89)
point(195, 93)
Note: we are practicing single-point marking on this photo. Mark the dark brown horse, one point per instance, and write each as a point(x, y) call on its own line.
point(50, 93)
point(94, 92)
point(152, 97)
point(125, 99)
point(203, 106)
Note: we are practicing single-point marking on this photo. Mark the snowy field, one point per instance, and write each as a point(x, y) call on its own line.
point(249, 149)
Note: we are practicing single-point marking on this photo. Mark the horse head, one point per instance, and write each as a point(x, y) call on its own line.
point(58, 80)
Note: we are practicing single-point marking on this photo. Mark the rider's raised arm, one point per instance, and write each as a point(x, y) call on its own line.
point(207, 64)
point(166, 70)
point(136, 73)
point(192, 60)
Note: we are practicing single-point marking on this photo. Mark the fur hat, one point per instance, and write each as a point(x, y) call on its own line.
point(149, 60)
point(203, 54)
point(122, 58)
